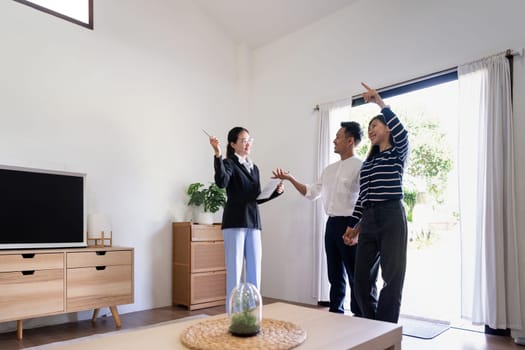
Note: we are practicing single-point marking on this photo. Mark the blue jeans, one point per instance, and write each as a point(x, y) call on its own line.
point(242, 244)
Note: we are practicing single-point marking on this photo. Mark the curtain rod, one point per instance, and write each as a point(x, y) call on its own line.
point(508, 52)
point(397, 85)
point(511, 52)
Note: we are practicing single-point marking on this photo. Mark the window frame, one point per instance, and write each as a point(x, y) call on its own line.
point(88, 25)
point(412, 85)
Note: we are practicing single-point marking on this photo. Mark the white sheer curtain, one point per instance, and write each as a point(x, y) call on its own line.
point(324, 141)
point(490, 282)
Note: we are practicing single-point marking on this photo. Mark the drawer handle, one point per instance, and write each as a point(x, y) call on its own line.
point(101, 253)
point(28, 256)
point(100, 268)
point(28, 273)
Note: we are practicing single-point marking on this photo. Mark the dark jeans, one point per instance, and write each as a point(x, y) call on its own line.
point(383, 240)
point(340, 260)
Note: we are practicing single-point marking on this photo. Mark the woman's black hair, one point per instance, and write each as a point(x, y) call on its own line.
point(374, 149)
point(233, 135)
point(353, 129)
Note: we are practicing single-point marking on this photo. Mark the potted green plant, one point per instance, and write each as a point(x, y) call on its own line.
point(207, 199)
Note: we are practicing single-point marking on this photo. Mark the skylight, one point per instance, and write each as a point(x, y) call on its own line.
point(76, 11)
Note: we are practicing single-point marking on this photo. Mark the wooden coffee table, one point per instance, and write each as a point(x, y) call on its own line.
point(324, 330)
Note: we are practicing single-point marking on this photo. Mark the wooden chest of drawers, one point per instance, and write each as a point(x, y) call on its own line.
point(199, 271)
point(35, 283)
point(31, 284)
point(87, 271)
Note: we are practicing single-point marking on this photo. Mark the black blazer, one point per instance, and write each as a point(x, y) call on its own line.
point(242, 188)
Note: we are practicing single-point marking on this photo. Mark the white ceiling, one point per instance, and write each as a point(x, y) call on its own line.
point(258, 22)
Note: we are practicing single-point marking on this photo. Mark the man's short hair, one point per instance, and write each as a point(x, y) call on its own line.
point(353, 129)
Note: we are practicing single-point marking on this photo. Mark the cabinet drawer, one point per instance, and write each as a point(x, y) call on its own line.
point(31, 261)
point(208, 286)
point(37, 294)
point(207, 256)
point(206, 233)
point(95, 287)
point(99, 258)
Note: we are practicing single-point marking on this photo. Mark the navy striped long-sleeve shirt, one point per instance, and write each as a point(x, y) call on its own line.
point(381, 178)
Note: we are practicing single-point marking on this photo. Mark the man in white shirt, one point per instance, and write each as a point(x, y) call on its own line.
point(339, 189)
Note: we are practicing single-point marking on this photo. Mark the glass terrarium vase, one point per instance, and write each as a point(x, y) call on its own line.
point(245, 311)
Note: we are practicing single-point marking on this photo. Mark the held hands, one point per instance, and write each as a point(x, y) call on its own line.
point(371, 95)
point(215, 144)
point(351, 236)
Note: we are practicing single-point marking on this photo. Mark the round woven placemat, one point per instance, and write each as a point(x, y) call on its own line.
point(214, 335)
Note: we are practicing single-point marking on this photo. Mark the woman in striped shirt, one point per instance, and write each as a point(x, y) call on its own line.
point(378, 224)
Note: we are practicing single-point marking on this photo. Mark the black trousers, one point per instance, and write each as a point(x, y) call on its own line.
point(340, 260)
point(383, 241)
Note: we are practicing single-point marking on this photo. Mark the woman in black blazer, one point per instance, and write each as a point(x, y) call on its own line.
point(241, 222)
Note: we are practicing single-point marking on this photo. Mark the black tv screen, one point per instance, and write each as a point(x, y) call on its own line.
point(41, 208)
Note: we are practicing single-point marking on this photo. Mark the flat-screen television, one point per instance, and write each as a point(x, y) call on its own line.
point(41, 208)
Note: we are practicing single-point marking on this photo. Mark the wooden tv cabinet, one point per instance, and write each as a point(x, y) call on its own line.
point(44, 282)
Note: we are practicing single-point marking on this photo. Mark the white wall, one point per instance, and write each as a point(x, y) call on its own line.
point(124, 103)
point(381, 42)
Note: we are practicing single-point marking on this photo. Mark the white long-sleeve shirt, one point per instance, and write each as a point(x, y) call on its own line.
point(338, 187)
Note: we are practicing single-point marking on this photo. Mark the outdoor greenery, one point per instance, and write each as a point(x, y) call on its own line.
point(410, 201)
point(430, 159)
point(423, 238)
point(211, 198)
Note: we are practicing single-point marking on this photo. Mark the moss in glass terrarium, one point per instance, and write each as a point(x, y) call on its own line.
point(244, 324)
point(245, 310)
